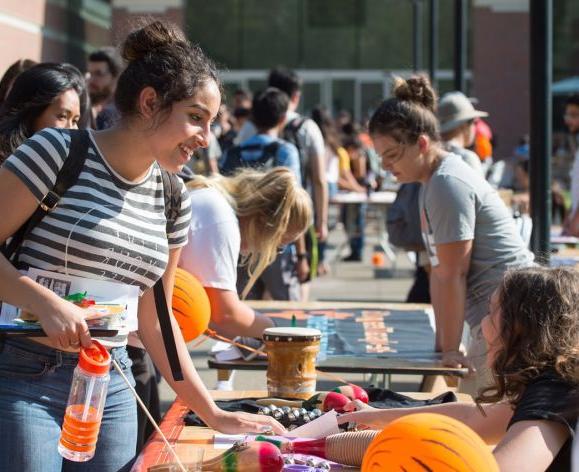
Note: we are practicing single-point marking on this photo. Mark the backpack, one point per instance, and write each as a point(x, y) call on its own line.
point(403, 220)
point(66, 178)
point(233, 159)
point(290, 134)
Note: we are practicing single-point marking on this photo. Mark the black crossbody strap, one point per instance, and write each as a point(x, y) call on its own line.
point(66, 178)
point(172, 194)
point(167, 330)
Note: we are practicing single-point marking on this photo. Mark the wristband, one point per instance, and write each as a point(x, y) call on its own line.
point(302, 255)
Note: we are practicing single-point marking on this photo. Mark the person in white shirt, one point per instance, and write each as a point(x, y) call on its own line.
point(254, 214)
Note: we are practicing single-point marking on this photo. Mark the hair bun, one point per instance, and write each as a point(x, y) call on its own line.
point(155, 35)
point(416, 89)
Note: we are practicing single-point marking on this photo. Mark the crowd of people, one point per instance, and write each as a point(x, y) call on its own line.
point(252, 222)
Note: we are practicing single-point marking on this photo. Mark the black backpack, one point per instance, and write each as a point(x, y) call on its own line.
point(234, 159)
point(66, 178)
point(290, 134)
point(403, 220)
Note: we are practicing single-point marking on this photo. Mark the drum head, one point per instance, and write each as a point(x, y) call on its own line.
point(292, 334)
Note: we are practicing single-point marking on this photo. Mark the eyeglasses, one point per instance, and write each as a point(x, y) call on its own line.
point(393, 155)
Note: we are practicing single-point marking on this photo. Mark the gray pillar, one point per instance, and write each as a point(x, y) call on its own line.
point(433, 42)
point(417, 35)
point(460, 43)
point(541, 32)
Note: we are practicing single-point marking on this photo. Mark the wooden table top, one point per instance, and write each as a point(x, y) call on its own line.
point(186, 439)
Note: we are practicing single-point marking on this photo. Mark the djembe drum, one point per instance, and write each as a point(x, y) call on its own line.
point(291, 361)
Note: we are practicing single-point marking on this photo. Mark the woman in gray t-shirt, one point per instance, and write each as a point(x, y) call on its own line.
point(469, 234)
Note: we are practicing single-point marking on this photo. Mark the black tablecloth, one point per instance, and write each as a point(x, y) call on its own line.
point(379, 398)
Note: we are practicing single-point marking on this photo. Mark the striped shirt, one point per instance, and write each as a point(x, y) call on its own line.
point(104, 227)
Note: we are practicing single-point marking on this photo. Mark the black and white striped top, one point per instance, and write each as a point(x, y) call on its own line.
point(104, 227)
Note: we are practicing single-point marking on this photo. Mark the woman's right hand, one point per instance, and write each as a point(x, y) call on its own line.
point(242, 422)
point(64, 324)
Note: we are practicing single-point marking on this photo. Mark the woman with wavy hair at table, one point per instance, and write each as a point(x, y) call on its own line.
point(530, 410)
point(253, 214)
point(470, 235)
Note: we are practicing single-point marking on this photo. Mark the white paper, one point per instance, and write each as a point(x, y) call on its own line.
point(100, 290)
point(223, 351)
point(219, 346)
point(319, 428)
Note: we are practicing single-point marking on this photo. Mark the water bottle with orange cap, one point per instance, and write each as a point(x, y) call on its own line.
point(86, 402)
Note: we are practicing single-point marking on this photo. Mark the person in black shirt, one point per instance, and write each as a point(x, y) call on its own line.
point(532, 334)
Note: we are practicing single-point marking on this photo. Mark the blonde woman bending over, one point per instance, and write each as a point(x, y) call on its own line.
point(253, 214)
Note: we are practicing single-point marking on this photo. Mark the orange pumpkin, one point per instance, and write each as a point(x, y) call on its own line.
point(428, 441)
point(191, 306)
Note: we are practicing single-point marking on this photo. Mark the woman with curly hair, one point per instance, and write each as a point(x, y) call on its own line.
point(532, 331)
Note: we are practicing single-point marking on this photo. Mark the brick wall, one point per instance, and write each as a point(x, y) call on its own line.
point(20, 31)
point(125, 20)
point(47, 30)
point(500, 65)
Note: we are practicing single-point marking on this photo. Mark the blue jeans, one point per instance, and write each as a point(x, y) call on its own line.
point(34, 386)
point(354, 218)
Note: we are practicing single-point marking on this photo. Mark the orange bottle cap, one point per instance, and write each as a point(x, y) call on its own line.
point(95, 359)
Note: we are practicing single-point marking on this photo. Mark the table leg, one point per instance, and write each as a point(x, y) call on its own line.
point(383, 382)
point(224, 379)
point(438, 383)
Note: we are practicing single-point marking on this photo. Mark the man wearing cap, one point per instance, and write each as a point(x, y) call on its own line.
point(457, 116)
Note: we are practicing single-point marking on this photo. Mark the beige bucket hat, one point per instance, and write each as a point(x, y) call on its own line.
point(454, 109)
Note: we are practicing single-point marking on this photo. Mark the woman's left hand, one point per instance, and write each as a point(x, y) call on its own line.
point(242, 422)
point(362, 414)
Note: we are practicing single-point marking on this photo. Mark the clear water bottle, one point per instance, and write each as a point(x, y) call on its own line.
point(86, 401)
